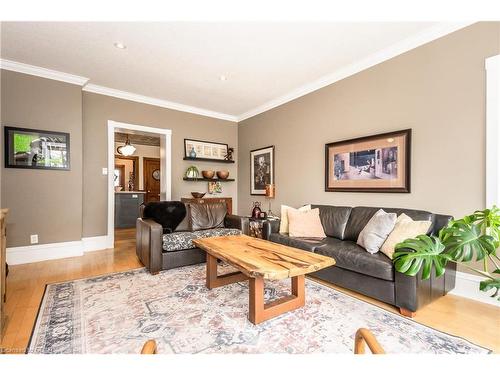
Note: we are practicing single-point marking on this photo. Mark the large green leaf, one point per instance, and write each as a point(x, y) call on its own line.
point(489, 221)
point(463, 240)
point(489, 284)
point(422, 252)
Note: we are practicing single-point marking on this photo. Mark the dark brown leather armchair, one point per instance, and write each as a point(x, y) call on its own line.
point(158, 249)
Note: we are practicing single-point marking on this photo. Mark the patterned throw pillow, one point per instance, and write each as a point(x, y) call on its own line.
point(376, 231)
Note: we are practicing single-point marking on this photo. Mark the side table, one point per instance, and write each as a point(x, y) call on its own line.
point(256, 226)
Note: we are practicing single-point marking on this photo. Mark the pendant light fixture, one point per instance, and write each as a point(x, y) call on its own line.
point(126, 150)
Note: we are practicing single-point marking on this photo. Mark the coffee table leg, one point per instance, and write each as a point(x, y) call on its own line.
point(214, 281)
point(259, 312)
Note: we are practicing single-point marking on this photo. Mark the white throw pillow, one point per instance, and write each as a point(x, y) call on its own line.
point(305, 224)
point(284, 216)
point(376, 231)
point(405, 228)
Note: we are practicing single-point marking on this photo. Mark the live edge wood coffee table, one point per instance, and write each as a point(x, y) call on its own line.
point(258, 260)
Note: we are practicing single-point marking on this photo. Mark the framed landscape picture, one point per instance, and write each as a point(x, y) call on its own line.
point(378, 163)
point(36, 149)
point(195, 149)
point(261, 169)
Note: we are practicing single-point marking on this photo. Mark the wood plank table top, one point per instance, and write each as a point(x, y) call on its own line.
point(260, 258)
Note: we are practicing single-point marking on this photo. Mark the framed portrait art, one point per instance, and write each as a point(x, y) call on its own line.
point(36, 149)
point(378, 163)
point(261, 169)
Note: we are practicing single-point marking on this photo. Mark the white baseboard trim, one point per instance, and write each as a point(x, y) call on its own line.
point(467, 286)
point(38, 253)
point(97, 243)
point(59, 250)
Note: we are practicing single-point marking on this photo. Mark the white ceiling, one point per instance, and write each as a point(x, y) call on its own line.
point(265, 63)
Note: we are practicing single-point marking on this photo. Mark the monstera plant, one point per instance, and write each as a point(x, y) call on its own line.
point(474, 237)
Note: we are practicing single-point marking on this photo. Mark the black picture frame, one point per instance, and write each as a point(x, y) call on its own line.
point(403, 151)
point(26, 161)
point(203, 156)
point(254, 190)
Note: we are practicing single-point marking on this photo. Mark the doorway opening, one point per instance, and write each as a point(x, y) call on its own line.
point(139, 171)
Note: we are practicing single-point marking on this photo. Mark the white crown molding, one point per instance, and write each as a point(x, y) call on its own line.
point(42, 72)
point(410, 43)
point(157, 102)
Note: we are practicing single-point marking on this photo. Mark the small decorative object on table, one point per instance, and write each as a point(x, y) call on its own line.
point(223, 174)
point(192, 172)
point(192, 153)
point(198, 194)
point(208, 174)
point(256, 211)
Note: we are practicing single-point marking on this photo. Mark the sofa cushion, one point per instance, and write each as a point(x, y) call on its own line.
point(360, 216)
point(334, 219)
point(206, 215)
point(184, 240)
point(349, 255)
point(302, 243)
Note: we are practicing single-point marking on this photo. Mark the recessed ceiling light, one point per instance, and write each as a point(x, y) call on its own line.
point(119, 45)
point(223, 78)
point(390, 140)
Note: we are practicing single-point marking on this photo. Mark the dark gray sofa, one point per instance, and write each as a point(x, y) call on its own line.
point(159, 248)
point(369, 274)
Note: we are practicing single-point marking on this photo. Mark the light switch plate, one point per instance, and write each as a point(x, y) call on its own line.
point(105, 171)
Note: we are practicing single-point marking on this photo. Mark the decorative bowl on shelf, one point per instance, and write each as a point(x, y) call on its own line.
point(208, 174)
point(223, 174)
point(197, 194)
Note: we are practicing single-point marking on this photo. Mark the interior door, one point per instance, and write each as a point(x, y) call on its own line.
point(151, 171)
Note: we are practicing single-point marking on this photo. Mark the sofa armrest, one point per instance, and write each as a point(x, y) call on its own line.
point(270, 226)
point(149, 238)
point(440, 221)
point(237, 222)
point(412, 293)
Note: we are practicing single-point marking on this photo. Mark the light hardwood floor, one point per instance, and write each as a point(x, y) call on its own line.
point(477, 322)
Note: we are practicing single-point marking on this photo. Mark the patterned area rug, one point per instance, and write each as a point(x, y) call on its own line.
point(117, 313)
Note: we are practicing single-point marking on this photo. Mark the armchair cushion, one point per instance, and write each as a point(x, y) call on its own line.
point(184, 240)
point(206, 215)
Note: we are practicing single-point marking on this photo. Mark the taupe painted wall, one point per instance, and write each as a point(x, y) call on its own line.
point(43, 202)
point(98, 109)
point(438, 90)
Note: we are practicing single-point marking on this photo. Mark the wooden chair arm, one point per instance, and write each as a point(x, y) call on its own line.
point(364, 335)
point(149, 347)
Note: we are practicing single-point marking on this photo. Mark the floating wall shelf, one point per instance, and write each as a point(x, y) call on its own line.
point(205, 159)
point(208, 179)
